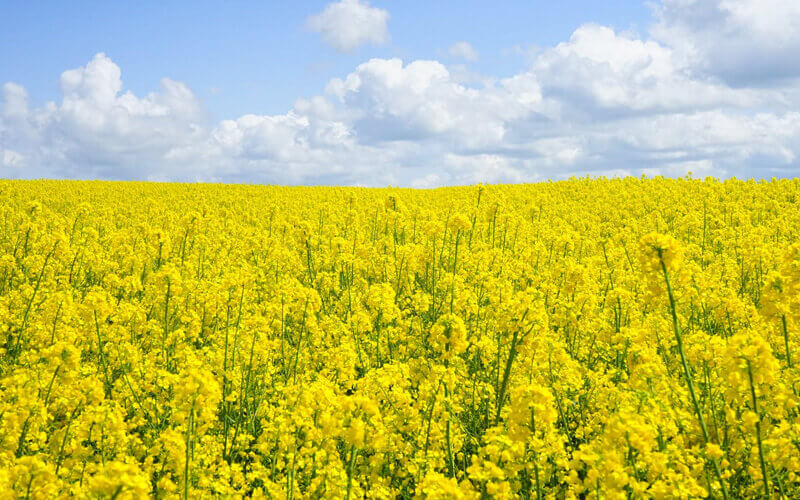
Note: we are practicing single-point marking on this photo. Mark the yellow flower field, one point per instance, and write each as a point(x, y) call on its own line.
point(578, 339)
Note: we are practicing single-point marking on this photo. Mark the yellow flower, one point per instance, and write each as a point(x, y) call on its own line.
point(119, 480)
point(229, 341)
point(713, 451)
point(658, 249)
point(449, 336)
point(460, 222)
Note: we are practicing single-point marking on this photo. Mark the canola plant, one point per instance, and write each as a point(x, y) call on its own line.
point(590, 338)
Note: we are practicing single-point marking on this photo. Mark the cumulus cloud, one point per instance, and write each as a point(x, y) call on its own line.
point(463, 50)
point(97, 129)
point(602, 102)
point(601, 68)
point(348, 24)
point(741, 41)
point(420, 101)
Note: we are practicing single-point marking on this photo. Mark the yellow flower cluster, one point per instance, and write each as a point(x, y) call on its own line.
point(581, 339)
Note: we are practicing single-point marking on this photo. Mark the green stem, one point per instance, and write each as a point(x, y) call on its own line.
point(50, 386)
point(687, 373)
point(786, 341)
point(758, 430)
point(506, 373)
point(102, 356)
point(188, 453)
point(450, 464)
point(15, 349)
point(64, 440)
point(350, 464)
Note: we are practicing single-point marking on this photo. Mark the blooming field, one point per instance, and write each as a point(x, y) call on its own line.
point(587, 338)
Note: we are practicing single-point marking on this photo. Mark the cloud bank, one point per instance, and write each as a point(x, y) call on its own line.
point(685, 97)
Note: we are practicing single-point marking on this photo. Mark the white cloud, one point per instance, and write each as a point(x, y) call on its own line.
point(347, 24)
point(426, 182)
point(15, 99)
point(97, 129)
point(463, 50)
point(387, 101)
point(490, 168)
point(598, 67)
point(10, 158)
point(600, 103)
point(741, 41)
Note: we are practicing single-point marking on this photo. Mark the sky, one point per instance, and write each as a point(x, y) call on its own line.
point(407, 93)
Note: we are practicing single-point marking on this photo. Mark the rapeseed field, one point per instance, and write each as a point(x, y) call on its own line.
point(590, 338)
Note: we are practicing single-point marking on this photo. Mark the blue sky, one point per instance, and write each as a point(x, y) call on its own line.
point(389, 92)
point(258, 57)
